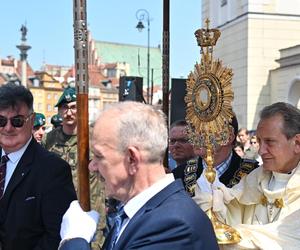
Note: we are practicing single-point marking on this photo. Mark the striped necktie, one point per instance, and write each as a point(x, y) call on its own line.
point(115, 231)
point(4, 160)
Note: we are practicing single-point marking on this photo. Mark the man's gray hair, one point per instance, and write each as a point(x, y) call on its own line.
point(143, 126)
point(290, 115)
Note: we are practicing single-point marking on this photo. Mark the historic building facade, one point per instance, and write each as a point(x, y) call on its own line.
point(256, 41)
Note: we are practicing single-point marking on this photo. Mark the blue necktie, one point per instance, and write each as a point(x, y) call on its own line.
point(4, 160)
point(115, 231)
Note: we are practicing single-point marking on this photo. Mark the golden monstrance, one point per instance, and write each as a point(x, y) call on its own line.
point(209, 111)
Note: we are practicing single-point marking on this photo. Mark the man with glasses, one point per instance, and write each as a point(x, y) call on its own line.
point(229, 166)
point(35, 186)
point(63, 141)
point(180, 148)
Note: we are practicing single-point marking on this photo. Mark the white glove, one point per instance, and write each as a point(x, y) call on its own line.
point(78, 224)
point(206, 186)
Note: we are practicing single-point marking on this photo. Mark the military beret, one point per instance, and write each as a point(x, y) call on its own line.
point(56, 120)
point(69, 95)
point(39, 120)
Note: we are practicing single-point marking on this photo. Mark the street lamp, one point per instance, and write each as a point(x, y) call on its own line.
point(142, 15)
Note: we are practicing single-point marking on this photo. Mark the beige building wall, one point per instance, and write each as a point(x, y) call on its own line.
point(253, 32)
point(46, 95)
point(94, 103)
point(285, 80)
point(39, 99)
point(232, 50)
point(99, 98)
point(267, 35)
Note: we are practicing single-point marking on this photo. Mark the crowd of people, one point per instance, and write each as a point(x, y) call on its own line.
point(255, 190)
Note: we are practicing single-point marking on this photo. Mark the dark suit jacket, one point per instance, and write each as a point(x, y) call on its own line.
point(238, 167)
point(38, 194)
point(169, 220)
point(225, 178)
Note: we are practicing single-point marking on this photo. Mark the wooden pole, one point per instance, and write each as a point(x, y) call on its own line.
point(81, 79)
point(165, 59)
point(165, 63)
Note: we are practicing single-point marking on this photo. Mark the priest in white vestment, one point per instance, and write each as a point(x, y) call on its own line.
point(265, 206)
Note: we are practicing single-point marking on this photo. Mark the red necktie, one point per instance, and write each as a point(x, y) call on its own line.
point(4, 160)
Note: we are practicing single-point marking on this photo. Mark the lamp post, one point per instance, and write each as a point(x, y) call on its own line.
point(142, 15)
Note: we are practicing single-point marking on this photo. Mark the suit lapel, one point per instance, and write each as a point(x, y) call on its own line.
point(155, 201)
point(107, 239)
point(232, 168)
point(21, 170)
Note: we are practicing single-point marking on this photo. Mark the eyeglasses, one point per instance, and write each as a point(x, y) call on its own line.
point(253, 142)
point(65, 108)
point(178, 140)
point(17, 121)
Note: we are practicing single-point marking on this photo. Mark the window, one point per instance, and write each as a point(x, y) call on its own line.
point(36, 82)
point(122, 72)
point(111, 72)
point(40, 106)
point(223, 3)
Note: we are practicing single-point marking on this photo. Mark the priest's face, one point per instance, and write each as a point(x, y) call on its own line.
point(279, 154)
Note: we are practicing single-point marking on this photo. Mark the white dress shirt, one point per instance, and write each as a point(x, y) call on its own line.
point(137, 202)
point(14, 159)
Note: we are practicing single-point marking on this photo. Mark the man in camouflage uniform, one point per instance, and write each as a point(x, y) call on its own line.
point(56, 120)
point(63, 141)
point(39, 127)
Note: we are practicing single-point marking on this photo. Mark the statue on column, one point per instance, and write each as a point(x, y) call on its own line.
point(24, 33)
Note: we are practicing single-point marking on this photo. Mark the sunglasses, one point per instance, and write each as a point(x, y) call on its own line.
point(17, 121)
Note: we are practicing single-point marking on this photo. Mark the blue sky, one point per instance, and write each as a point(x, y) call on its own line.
point(50, 29)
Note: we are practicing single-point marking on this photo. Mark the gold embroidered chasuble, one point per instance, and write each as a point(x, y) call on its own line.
point(266, 219)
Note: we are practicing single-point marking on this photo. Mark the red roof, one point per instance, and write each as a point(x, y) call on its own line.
point(96, 76)
point(29, 70)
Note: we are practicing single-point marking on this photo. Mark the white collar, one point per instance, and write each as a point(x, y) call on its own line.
point(16, 156)
point(135, 203)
